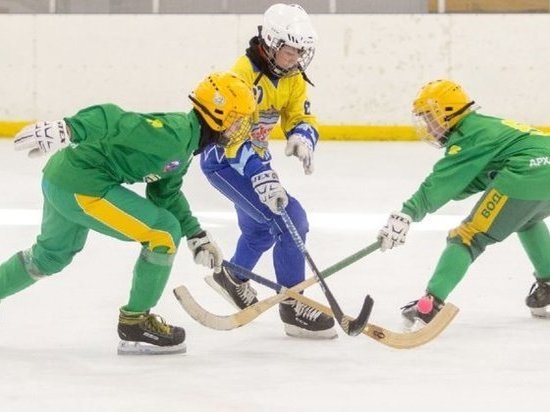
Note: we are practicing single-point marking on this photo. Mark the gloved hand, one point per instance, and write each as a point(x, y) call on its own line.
point(205, 251)
point(301, 147)
point(43, 137)
point(269, 190)
point(394, 233)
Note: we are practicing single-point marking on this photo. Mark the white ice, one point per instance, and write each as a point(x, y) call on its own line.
point(58, 338)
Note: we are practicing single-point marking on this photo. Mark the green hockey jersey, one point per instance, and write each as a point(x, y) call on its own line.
point(111, 147)
point(486, 152)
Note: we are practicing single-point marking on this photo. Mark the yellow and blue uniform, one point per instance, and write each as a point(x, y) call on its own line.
point(230, 170)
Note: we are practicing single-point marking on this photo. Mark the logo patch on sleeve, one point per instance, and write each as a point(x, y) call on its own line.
point(172, 165)
point(454, 149)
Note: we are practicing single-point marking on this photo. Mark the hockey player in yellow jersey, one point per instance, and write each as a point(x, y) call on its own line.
point(274, 65)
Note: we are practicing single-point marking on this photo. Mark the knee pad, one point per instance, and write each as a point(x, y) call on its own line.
point(473, 245)
point(39, 268)
point(157, 257)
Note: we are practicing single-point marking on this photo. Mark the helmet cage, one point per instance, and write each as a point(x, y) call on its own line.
point(433, 125)
point(271, 50)
point(238, 129)
point(226, 103)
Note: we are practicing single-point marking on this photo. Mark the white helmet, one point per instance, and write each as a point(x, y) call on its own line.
point(288, 24)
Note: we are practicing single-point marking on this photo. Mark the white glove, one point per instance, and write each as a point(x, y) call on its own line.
point(394, 233)
point(205, 251)
point(301, 147)
point(269, 190)
point(43, 137)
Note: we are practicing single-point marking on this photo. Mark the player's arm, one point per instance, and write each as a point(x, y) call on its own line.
point(265, 181)
point(167, 194)
point(454, 177)
point(300, 126)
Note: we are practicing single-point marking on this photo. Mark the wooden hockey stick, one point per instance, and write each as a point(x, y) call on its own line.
point(385, 336)
point(349, 325)
point(250, 313)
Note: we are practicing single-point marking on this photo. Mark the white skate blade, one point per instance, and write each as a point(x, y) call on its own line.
point(140, 348)
point(296, 332)
point(214, 285)
point(540, 313)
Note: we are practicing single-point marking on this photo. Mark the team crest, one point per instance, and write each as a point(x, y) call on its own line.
point(454, 149)
point(170, 166)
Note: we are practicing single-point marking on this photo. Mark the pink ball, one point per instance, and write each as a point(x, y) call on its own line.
point(425, 305)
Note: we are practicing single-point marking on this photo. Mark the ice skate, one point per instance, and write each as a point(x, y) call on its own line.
point(419, 313)
point(303, 321)
point(143, 333)
point(237, 292)
point(538, 300)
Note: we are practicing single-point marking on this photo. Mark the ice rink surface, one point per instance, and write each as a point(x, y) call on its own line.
point(58, 338)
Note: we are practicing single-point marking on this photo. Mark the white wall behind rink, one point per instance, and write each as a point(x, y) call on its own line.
point(367, 69)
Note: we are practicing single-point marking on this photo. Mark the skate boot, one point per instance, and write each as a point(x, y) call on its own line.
point(303, 321)
point(237, 292)
point(538, 300)
point(144, 333)
point(419, 313)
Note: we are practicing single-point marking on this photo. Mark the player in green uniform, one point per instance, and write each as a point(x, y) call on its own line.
point(104, 147)
point(509, 162)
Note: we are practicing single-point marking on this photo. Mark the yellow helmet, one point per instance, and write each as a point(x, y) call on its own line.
point(227, 104)
point(438, 107)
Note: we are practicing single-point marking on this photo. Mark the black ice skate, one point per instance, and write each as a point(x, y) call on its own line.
point(146, 333)
point(538, 300)
point(237, 292)
point(419, 313)
point(303, 321)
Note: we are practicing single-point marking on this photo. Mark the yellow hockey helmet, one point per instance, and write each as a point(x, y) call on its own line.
point(438, 107)
point(226, 103)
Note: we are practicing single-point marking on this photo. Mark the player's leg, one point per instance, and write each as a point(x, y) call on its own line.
point(492, 219)
point(254, 240)
point(260, 229)
point(59, 240)
point(299, 320)
point(125, 215)
point(535, 239)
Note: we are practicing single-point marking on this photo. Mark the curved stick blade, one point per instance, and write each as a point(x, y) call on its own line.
point(356, 326)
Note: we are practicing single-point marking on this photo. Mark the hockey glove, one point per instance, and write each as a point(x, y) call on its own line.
point(394, 233)
point(269, 190)
point(43, 137)
point(301, 147)
point(205, 251)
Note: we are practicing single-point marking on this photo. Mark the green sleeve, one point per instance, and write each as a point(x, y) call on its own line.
point(166, 193)
point(94, 122)
point(454, 177)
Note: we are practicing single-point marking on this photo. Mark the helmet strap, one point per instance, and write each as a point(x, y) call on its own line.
point(458, 112)
point(206, 111)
